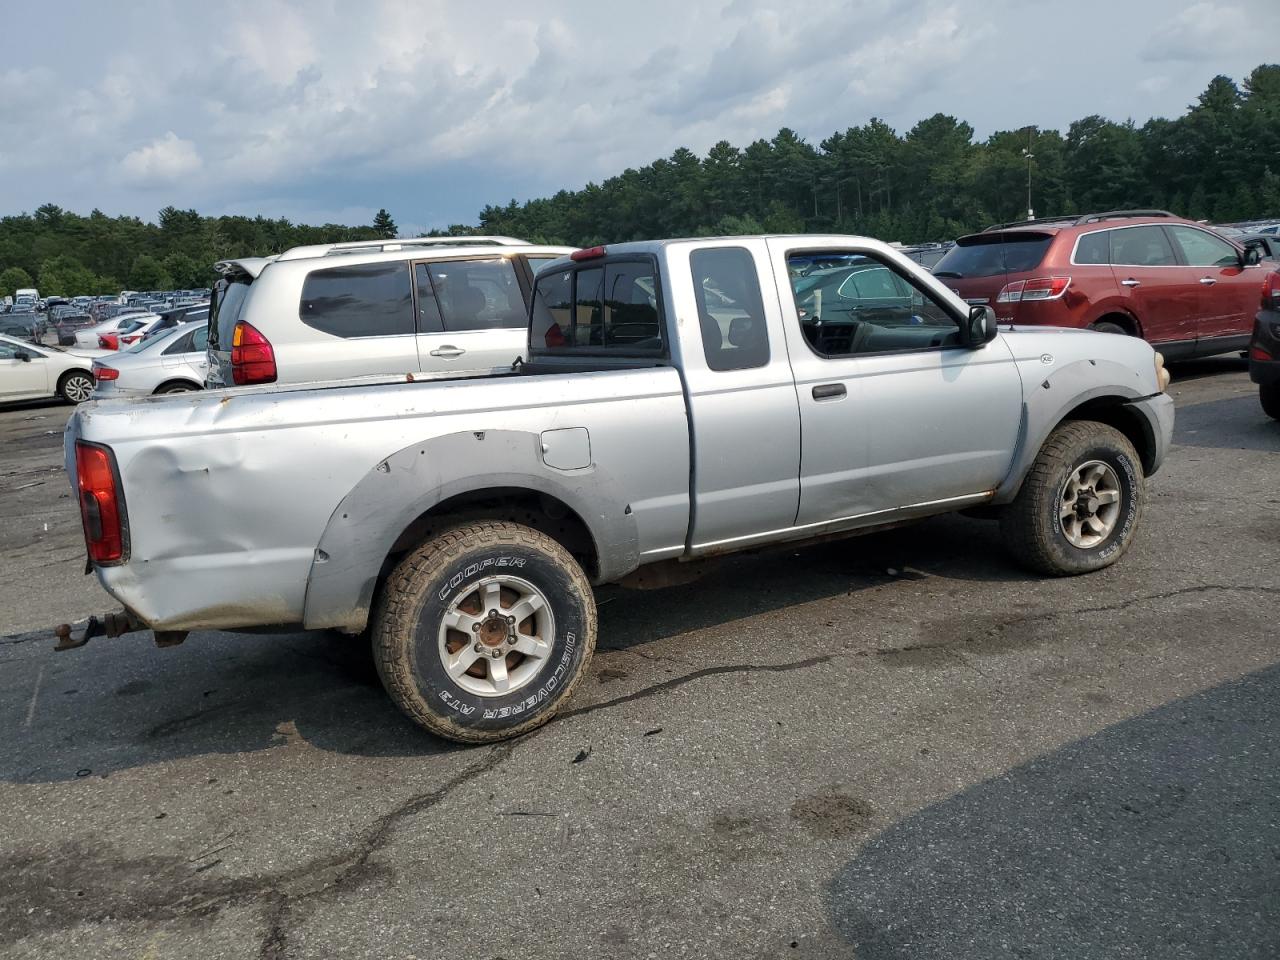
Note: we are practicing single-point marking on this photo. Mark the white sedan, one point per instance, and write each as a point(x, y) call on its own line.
point(30, 372)
point(173, 362)
point(88, 336)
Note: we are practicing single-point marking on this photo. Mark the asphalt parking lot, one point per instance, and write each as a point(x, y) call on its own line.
point(899, 746)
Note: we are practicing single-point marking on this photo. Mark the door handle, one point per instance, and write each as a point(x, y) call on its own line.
point(828, 391)
point(1131, 283)
point(448, 351)
point(1208, 281)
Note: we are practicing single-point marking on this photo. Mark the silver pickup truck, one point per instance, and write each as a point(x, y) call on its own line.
point(678, 400)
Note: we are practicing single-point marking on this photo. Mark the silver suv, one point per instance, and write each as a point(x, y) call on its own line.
point(341, 310)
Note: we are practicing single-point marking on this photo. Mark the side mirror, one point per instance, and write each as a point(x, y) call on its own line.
point(1252, 253)
point(22, 355)
point(981, 326)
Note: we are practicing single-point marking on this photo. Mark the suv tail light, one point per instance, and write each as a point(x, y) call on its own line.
point(108, 341)
point(1041, 288)
point(1271, 291)
point(101, 509)
point(105, 373)
point(252, 358)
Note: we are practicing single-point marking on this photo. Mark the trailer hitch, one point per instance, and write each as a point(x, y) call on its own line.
point(70, 637)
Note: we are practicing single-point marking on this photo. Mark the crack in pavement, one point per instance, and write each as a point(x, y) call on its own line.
point(674, 682)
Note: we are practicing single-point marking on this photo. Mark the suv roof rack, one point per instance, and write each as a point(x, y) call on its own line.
point(1075, 220)
point(392, 246)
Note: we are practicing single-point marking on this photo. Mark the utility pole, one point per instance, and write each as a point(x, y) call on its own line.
point(1029, 156)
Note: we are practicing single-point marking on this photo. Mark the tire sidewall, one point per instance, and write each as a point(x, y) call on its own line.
point(1123, 462)
point(536, 700)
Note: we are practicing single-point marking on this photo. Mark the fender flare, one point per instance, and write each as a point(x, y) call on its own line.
point(410, 482)
point(1049, 402)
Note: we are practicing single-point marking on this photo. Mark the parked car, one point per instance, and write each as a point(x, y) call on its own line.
point(1177, 284)
point(130, 332)
point(66, 328)
point(88, 337)
point(1264, 349)
point(20, 328)
point(173, 362)
point(373, 307)
point(463, 518)
point(172, 319)
point(29, 372)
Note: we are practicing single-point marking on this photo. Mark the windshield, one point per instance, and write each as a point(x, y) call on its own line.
point(993, 254)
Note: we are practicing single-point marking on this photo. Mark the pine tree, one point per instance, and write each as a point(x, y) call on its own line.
point(384, 226)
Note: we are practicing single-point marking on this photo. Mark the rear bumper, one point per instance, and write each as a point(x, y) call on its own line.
point(1266, 336)
point(1158, 413)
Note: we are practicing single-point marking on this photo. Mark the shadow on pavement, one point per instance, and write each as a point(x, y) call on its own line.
point(1158, 837)
point(1233, 423)
point(122, 703)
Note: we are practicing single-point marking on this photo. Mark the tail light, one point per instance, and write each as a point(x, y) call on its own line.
point(131, 338)
point(252, 358)
point(101, 509)
point(1271, 291)
point(1041, 288)
point(590, 253)
point(105, 373)
point(1259, 353)
point(109, 341)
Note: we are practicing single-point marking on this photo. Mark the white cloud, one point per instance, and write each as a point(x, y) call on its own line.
point(163, 160)
point(1202, 31)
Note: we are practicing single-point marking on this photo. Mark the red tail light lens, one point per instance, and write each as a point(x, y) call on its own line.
point(1257, 353)
point(109, 341)
point(105, 373)
point(1041, 288)
point(252, 358)
point(1271, 291)
point(101, 510)
point(590, 253)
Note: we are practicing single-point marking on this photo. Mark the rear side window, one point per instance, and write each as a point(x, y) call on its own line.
point(730, 308)
point(1141, 247)
point(989, 255)
point(359, 300)
point(225, 305)
point(1094, 248)
point(473, 295)
point(609, 308)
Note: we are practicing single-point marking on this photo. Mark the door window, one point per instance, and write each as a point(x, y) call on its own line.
point(359, 300)
point(730, 308)
point(860, 305)
point(1141, 247)
point(6, 352)
point(1203, 249)
point(473, 294)
point(180, 345)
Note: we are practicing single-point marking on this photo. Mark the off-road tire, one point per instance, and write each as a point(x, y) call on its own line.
point(420, 590)
point(1031, 525)
point(1269, 397)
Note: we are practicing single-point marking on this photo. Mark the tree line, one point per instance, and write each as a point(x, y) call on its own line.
point(1220, 161)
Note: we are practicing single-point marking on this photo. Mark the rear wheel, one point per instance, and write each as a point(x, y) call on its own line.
point(1080, 504)
point(76, 387)
point(178, 387)
point(1269, 395)
point(483, 632)
point(1108, 326)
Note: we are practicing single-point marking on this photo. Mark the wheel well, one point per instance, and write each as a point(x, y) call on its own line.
point(1129, 323)
point(540, 511)
point(175, 381)
point(1115, 412)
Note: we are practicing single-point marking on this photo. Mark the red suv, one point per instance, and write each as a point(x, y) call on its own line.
point(1147, 273)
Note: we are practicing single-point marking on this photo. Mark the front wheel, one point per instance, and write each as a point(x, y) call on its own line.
point(76, 387)
point(1080, 504)
point(482, 633)
point(1269, 395)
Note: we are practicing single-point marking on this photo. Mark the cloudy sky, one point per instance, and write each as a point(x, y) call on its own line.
point(325, 111)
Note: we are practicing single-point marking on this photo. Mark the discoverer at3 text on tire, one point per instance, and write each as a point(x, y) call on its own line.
point(1080, 504)
point(483, 632)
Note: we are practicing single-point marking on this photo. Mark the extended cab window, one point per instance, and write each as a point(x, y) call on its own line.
point(730, 309)
point(597, 308)
point(1203, 249)
point(857, 304)
point(470, 295)
point(359, 300)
